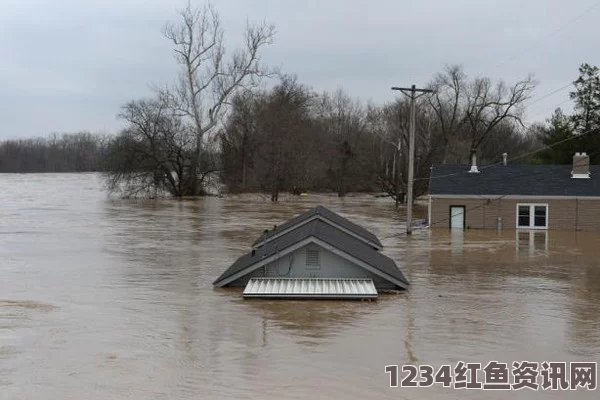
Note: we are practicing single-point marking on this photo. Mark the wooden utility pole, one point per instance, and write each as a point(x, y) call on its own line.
point(412, 94)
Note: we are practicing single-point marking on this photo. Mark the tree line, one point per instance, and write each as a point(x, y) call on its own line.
point(218, 120)
point(289, 138)
point(68, 152)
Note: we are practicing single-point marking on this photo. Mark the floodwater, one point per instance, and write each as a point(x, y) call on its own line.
point(113, 299)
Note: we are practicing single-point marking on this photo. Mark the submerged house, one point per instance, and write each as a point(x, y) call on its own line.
point(318, 254)
point(519, 196)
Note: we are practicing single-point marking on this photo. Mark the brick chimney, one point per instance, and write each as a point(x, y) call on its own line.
point(581, 166)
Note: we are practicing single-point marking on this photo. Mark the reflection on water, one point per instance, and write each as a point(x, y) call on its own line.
point(532, 242)
point(103, 298)
point(457, 240)
point(312, 324)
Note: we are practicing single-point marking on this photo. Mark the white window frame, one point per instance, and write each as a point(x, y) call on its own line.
point(531, 215)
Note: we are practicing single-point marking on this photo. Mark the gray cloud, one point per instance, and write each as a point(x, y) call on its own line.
point(69, 65)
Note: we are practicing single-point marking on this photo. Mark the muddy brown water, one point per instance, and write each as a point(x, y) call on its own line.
point(113, 299)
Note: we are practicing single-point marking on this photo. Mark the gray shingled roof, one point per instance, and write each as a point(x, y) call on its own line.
point(515, 179)
point(327, 214)
point(328, 234)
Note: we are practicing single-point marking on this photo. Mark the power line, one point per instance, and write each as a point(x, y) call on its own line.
point(516, 157)
point(550, 109)
point(559, 29)
point(551, 93)
point(541, 39)
point(537, 100)
point(583, 14)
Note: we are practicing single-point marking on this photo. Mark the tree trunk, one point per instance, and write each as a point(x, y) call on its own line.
point(445, 151)
point(244, 171)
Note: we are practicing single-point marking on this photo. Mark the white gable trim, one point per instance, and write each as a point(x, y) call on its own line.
point(301, 244)
point(322, 218)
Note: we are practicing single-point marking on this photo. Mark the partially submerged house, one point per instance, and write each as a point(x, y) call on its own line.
point(516, 196)
point(318, 254)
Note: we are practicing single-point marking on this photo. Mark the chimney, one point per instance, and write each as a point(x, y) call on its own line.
point(474, 162)
point(504, 158)
point(581, 166)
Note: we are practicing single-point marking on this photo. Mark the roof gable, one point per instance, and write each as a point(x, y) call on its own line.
point(325, 215)
point(324, 233)
point(515, 179)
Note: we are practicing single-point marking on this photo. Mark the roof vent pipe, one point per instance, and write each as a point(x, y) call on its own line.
point(581, 166)
point(504, 158)
point(474, 162)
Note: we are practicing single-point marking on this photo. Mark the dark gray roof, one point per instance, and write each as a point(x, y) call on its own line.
point(327, 214)
point(328, 234)
point(515, 179)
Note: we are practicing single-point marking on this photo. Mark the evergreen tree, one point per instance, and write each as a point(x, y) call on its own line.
point(587, 110)
point(557, 134)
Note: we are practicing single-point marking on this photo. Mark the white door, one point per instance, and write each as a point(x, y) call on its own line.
point(457, 217)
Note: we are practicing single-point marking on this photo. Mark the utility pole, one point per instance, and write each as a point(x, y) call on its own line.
point(412, 94)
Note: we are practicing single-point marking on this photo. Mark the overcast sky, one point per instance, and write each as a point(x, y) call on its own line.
point(68, 65)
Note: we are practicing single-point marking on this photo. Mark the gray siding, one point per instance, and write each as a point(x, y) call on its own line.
point(331, 266)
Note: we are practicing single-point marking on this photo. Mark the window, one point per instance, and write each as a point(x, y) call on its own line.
point(539, 216)
point(532, 216)
point(524, 216)
point(312, 258)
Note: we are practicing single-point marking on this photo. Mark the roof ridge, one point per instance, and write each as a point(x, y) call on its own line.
point(324, 213)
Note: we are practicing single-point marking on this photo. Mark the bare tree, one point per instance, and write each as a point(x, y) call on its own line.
point(392, 131)
point(170, 141)
point(239, 139)
point(153, 155)
point(468, 112)
point(343, 122)
point(208, 78)
point(447, 103)
point(285, 149)
point(488, 105)
point(287, 138)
